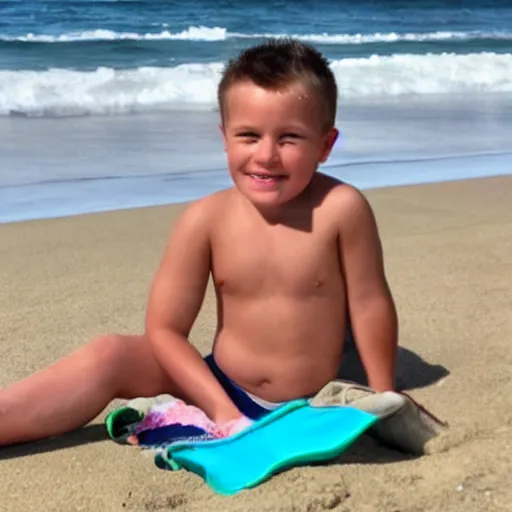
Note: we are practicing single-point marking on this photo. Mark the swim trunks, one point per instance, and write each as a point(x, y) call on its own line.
point(249, 405)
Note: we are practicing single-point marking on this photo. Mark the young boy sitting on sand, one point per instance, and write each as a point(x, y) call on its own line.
point(293, 254)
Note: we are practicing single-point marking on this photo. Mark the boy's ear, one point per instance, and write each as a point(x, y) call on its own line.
point(221, 128)
point(330, 139)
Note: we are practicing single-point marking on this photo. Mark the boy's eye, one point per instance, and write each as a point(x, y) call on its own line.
point(247, 135)
point(290, 137)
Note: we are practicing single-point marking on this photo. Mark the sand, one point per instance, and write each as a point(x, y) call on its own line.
point(448, 251)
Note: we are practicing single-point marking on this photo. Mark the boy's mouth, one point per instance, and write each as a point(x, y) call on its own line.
point(266, 177)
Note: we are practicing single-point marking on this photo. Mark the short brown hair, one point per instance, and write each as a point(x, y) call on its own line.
point(278, 63)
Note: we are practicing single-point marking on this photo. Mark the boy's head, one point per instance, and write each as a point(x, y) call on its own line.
point(278, 64)
point(278, 108)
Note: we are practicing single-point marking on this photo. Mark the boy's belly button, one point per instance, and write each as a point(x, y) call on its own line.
point(259, 384)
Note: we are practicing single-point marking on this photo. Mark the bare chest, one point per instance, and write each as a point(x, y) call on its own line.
point(275, 261)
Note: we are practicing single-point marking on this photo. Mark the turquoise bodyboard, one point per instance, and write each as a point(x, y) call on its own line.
point(295, 434)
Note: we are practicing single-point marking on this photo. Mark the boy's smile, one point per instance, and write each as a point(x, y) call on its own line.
point(274, 141)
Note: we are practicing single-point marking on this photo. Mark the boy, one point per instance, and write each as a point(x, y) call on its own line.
point(292, 253)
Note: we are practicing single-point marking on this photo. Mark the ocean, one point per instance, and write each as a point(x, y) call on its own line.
point(109, 104)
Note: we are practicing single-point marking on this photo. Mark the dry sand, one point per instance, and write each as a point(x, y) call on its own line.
point(449, 258)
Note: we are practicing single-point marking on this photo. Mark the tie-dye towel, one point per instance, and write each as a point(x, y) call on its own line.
point(164, 423)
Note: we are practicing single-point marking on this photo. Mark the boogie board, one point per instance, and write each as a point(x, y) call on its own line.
point(295, 434)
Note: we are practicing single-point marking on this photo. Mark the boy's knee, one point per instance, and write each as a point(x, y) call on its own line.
point(108, 348)
point(3, 405)
point(117, 349)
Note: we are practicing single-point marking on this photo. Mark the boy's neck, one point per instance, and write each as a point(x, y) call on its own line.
point(296, 213)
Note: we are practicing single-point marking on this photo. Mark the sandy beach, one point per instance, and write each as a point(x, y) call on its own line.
point(448, 250)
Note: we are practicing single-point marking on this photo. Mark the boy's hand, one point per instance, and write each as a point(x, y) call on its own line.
point(232, 427)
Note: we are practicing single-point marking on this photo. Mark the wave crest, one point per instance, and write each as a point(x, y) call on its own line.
point(203, 33)
point(59, 92)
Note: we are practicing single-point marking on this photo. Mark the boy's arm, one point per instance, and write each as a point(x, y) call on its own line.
point(175, 299)
point(370, 303)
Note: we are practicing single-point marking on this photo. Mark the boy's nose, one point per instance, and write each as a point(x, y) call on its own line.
point(266, 152)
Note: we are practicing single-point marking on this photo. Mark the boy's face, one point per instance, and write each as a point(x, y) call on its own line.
point(274, 141)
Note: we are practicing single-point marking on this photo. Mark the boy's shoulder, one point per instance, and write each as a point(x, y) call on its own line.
point(201, 214)
point(342, 199)
point(208, 205)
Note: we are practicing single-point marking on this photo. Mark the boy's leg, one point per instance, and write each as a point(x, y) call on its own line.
point(74, 390)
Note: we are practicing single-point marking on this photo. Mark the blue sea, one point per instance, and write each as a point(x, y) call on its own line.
point(108, 104)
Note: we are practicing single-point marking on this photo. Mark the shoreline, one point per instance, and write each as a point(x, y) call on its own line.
point(57, 167)
point(183, 201)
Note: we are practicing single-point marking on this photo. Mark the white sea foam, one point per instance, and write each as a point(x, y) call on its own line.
point(192, 33)
point(203, 33)
point(391, 37)
point(58, 92)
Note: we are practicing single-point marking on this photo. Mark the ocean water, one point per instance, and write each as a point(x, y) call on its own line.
point(110, 104)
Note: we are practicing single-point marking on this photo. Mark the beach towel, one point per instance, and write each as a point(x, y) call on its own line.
point(293, 435)
point(181, 436)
